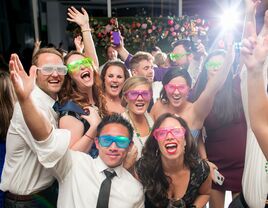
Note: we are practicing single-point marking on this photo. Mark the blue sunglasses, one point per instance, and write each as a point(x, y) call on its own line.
point(120, 141)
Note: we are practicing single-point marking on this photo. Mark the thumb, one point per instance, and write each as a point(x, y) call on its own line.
point(32, 72)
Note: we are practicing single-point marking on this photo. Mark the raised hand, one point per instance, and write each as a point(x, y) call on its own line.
point(23, 84)
point(254, 51)
point(251, 6)
point(93, 117)
point(79, 18)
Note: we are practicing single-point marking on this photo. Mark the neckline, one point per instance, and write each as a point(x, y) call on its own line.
point(135, 129)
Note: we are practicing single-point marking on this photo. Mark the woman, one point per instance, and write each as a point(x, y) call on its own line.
point(226, 130)
point(174, 95)
point(170, 169)
point(113, 76)
point(7, 101)
point(82, 103)
point(137, 93)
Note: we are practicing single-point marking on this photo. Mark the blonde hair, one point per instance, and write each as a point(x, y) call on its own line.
point(131, 83)
point(160, 59)
point(138, 57)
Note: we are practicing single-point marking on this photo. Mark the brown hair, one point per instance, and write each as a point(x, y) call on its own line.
point(113, 63)
point(138, 57)
point(7, 101)
point(45, 50)
point(133, 82)
point(69, 90)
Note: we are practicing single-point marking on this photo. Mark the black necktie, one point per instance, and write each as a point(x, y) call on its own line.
point(104, 194)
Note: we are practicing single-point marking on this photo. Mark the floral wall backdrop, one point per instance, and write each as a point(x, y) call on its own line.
point(141, 33)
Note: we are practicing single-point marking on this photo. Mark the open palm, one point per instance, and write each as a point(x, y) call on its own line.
point(254, 51)
point(23, 84)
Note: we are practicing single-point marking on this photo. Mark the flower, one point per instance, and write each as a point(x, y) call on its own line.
point(170, 22)
point(141, 33)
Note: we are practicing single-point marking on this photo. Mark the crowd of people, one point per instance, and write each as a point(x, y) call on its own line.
point(151, 129)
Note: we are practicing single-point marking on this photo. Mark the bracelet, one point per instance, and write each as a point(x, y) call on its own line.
point(206, 159)
point(89, 137)
point(86, 30)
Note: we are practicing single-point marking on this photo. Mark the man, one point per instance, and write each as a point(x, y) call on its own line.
point(80, 177)
point(188, 55)
point(26, 182)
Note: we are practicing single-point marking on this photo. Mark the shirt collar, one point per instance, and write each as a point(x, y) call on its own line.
point(44, 97)
point(101, 166)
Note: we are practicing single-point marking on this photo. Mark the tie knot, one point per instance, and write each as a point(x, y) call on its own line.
point(109, 174)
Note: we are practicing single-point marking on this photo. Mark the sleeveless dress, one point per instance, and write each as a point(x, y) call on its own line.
point(70, 108)
point(198, 175)
point(225, 147)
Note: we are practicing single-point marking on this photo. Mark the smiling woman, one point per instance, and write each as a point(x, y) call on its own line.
point(81, 102)
point(172, 173)
point(113, 76)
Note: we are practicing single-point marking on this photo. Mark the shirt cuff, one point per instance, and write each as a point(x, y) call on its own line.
point(52, 149)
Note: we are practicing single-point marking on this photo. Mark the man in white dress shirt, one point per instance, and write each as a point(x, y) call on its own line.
point(26, 182)
point(79, 176)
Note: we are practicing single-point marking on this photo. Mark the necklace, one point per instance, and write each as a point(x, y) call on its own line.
point(136, 130)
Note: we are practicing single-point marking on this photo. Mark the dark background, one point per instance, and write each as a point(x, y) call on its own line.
point(17, 28)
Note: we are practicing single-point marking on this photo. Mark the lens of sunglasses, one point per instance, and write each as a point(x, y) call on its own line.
point(210, 65)
point(161, 133)
point(134, 94)
point(120, 141)
point(182, 88)
point(49, 69)
point(77, 65)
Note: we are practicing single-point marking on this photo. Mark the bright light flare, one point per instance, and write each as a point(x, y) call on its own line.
point(230, 19)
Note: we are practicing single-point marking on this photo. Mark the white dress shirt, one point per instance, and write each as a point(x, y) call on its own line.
point(255, 179)
point(80, 177)
point(22, 173)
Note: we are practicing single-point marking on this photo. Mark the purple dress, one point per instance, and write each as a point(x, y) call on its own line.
point(225, 147)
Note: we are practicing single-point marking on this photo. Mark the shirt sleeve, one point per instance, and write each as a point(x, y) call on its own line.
point(129, 57)
point(53, 152)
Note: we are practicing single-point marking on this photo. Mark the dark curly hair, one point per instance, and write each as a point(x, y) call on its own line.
point(69, 90)
point(149, 166)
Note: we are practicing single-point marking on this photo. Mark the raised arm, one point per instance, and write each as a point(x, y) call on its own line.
point(122, 51)
point(83, 21)
point(81, 141)
point(37, 123)
point(255, 52)
point(203, 105)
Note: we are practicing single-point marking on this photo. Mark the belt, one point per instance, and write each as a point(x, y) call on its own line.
point(16, 197)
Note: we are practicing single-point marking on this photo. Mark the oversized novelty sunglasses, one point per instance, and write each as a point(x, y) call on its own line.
point(49, 69)
point(120, 141)
point(182, 88)
point(134, 94)
point(210, 65)
point(77, 65)
point(161, 133)
point(177, 56)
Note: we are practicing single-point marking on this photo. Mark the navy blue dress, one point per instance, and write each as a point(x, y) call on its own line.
point(72, 109)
